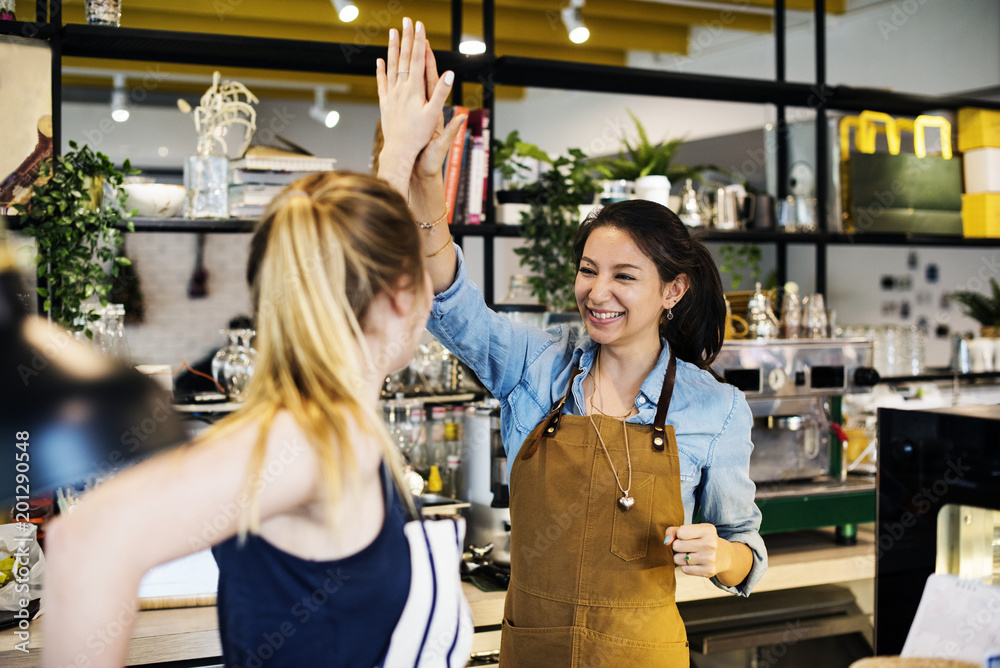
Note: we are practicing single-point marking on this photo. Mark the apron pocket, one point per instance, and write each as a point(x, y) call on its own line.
point(535, 647)
point(630, 530)
point(599, 649)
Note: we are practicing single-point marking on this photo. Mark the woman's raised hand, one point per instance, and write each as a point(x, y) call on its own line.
point(411, 97)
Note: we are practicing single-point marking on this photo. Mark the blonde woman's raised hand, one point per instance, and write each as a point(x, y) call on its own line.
point(410, 111)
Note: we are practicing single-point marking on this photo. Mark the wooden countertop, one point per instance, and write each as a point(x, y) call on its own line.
point(800, 559)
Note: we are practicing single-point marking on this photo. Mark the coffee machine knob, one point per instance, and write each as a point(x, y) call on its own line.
point(777, 378)
point(865, 376)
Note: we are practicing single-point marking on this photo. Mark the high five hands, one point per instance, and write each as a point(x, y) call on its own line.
point(411, 97)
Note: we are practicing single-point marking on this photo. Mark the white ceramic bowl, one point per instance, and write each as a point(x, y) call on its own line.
point(154, 200)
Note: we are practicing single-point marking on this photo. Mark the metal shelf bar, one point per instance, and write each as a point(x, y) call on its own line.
point(230, 50)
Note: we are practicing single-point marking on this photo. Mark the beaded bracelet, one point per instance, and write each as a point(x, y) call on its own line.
point(432, 226)
point(438, 252)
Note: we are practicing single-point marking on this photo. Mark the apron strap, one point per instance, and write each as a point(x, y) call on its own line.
point(664, 404)
point(551, 423)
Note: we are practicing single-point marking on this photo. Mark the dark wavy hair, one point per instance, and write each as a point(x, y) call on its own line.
point(697, 329)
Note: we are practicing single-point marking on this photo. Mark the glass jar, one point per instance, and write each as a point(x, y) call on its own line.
point(520, 305)
point(106, 332)
point(103, 12)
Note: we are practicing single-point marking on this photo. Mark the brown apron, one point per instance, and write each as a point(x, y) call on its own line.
point(593, 584)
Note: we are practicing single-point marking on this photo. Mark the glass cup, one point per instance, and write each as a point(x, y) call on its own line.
point(103, 12)
point(814, 320)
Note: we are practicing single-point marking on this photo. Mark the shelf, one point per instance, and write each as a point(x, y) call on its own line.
point(231, 50)
point(244, 225)
point(223, 225)
point(944, 376)
point(27, 29)
point(517, 71)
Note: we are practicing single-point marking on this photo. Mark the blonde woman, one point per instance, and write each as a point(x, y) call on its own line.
point(295, 490)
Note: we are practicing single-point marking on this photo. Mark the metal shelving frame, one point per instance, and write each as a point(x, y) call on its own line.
point(489, 70)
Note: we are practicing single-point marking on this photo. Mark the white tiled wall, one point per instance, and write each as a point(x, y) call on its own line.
point(177, 327)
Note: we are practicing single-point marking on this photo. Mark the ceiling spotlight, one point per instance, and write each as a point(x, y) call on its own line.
point(320, 113)
point(346, 10)
point(573, 20)
point(471, 46)
point(119, 99)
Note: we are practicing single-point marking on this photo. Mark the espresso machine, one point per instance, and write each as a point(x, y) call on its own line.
point(486, 485)
point(799, 469)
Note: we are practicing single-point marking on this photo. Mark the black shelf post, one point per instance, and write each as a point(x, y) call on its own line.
point(489, 39)
point(456, 41)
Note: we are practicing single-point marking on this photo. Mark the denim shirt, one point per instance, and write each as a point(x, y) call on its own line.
point(528, 371)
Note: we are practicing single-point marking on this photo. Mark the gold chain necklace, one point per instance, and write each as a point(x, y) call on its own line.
point(626, 501)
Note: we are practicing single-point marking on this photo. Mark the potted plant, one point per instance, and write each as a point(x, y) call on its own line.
point(74, 233)
point(645, 164)
point(550, 224)
point(985, 309)
point(517, 163)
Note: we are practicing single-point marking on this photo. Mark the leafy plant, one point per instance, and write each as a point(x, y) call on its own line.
point(550, 225)
point(643, 158)
point(740, 261)
point(74, 233)
point(983, 308)
point(509, 158)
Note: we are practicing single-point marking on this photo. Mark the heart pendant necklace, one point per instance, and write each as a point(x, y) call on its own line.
point(626, 501)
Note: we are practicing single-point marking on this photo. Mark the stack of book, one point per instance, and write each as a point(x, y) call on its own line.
point(466, 167)
point(255, 180)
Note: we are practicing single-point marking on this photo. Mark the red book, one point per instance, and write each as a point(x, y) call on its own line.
point(453, 164)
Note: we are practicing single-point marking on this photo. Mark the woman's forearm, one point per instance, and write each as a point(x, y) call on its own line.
point(427, 202)
point(738, 559)
point(90, 590)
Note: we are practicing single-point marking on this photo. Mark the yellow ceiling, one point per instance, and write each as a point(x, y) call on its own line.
point(530, 28)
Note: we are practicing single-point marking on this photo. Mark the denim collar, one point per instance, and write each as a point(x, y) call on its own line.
point(584, 355)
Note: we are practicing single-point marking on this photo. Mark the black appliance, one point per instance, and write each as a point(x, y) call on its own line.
point(928, 459)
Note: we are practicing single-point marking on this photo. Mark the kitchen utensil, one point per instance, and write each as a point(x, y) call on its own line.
point(761, 320)
point(758, 212)
point(728, 204)
point(691, 211)
point(198, 285)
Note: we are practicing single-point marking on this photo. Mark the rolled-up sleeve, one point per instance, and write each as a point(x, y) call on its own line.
point(727, 498)
point(496, 349)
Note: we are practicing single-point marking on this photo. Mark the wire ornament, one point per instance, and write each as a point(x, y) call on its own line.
point(224, 104)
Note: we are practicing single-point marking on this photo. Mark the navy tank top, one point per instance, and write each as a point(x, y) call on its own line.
point(276, 609)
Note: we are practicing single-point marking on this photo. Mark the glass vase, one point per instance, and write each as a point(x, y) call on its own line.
point(206, 178)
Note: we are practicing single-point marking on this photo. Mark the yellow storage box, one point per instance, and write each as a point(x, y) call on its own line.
point(978, 128)
point(981, 215)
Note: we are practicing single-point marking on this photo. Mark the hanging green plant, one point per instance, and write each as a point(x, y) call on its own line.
point(74, 233)
point(740, 261)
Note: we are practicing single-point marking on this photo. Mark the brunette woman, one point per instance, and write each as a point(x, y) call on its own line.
point(627, 457)
point(297, 490)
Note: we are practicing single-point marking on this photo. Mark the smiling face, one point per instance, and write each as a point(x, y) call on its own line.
point(619, 291)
